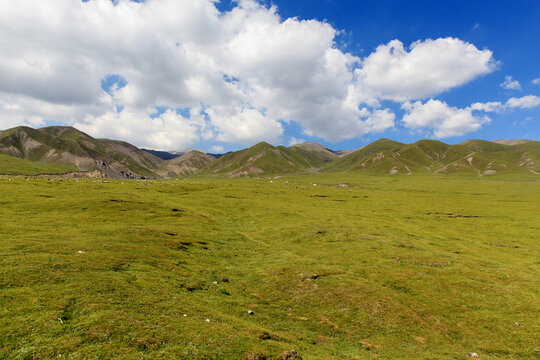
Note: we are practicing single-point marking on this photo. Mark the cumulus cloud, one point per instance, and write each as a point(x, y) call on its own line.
point(241, 73)
point(217, 149)
point(294, 141)
point(442, 120)
point(525, 102)
point(164, 132)
point(536, 81)
point(493, 106)
point(244, 126)
point(427, 69)
point(510, 84)
point(446, 121)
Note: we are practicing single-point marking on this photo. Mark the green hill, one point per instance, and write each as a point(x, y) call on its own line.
point(10, 165)
point(69, 146)
point(264, 158)
point(369, 154)
point(473, 157)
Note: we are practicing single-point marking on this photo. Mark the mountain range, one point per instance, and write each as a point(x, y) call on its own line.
point(58, 149)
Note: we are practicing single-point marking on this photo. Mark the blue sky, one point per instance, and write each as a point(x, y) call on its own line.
point(172, 74)
point(508, 28)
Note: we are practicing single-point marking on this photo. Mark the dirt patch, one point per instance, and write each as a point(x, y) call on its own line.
point(180, 245)
point(454, 216)
point(252, 170)
point(325, 320)
point(95, 174)
point(377, 157)
point(502, 245)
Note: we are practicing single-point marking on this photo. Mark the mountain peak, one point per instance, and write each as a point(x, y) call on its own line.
point(512, 142)
point(313, 146)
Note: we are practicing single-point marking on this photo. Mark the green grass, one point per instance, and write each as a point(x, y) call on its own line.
point(406, 267)
point(10, 165)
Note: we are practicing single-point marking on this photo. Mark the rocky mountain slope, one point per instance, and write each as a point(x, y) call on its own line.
point(69, 146)
point(185, 165)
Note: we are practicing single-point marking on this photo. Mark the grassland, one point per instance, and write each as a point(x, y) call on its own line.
point(332, 266)
point(10, 165)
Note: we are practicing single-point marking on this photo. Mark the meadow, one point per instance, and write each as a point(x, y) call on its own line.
point(336, 266)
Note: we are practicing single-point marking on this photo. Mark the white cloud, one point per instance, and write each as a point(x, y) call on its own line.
point(217, 149)
point(442, 120)
point(510, 84)
point(525, 102)
point(294, 141)
point(165, 132)
point(429, 68)
point(244, 126)
point(240, 72)
point(536, 81)
point(494, 106)
point(380, 121)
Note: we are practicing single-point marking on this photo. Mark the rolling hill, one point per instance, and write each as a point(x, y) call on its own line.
point(69, 146)
point(188, 164)
point(10, 165)
point(58, 149)
point(474, 157)
point(264, 158)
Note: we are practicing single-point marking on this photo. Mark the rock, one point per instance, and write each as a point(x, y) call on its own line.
point(474, 355)
point(225, 280)
point(207, 320)
point(250, 312)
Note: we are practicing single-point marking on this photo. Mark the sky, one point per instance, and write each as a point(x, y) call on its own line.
point(224, 75)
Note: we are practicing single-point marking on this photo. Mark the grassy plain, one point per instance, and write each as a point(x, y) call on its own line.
point(10, 165)
point(406, 267)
